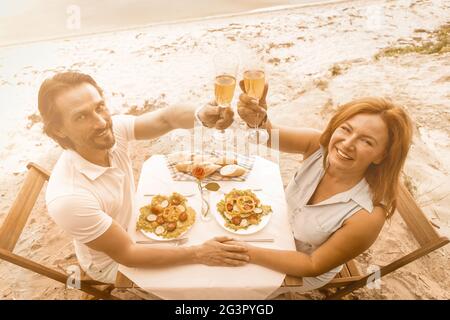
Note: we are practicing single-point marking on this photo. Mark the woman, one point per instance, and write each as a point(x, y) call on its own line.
point(345, 189)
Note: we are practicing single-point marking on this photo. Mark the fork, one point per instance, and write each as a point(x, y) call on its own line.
point(187, 195)
point(251, 189)
point(178, 241)
point(256, 240)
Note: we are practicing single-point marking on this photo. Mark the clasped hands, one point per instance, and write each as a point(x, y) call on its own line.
point(250, 110)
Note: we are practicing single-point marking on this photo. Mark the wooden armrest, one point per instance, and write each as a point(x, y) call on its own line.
point(122, 282)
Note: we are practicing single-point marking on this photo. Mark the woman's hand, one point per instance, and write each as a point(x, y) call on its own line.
point(219, 252)
point(248, 247)
point(253, 113)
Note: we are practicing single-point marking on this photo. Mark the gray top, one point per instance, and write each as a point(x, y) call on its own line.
point(313, 224)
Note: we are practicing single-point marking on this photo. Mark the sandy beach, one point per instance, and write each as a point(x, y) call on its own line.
point(317, 57)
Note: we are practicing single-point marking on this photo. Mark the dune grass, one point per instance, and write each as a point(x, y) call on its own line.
point(437, 43)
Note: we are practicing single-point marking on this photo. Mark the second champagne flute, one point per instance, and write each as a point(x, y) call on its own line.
point(254, 83)
point(226, 65)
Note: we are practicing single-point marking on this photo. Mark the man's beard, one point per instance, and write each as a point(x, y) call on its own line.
point(105, 143)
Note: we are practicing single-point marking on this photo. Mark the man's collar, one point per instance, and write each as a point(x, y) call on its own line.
point(91, 170)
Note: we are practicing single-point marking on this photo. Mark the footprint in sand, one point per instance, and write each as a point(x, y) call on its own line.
point(77, 64)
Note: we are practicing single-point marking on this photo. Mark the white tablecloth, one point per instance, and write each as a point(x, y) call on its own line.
point(205, 282)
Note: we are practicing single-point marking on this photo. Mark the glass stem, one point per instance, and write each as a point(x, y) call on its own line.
point(221, 107)
point(257, 129)
point(205, 204)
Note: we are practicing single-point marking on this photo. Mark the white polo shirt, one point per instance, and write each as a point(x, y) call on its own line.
point(83, 198)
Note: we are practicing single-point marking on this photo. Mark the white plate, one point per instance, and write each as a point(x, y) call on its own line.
point(250, 230)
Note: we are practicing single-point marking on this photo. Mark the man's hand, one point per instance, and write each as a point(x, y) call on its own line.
point(252, 113)
point(216, 252)
point(212, 116)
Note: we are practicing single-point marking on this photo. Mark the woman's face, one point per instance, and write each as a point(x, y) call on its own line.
point(357, 143)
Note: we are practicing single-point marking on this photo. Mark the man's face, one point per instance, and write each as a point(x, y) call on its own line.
point(85, 118)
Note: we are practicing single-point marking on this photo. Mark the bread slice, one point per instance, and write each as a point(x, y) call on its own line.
point(232, 170)
point(210, 169)
point(184, 166)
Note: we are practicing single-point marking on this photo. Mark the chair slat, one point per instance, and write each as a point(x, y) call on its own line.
point(353, 268)
point(122, 281)
point(339, 282)
point(43, 171)
point(344, 273)
point(21, 208)
point(290, 281)
point(336, 282)
point(349, 274)
point(415, 219)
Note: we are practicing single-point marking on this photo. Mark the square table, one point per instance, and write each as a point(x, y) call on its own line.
point(197, 281)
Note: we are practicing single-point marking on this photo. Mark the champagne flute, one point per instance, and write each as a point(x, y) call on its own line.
point(226, 65)
point(254, 83)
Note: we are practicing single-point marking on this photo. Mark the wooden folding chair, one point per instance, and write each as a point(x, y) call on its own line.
point(350, 279)
point(16, 220)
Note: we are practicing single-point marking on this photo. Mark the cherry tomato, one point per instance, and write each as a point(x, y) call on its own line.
point(156, 209)
point(171, 226)
point(183, 216)
point(236, 220)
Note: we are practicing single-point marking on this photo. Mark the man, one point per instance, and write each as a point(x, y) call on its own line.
point(90, 192)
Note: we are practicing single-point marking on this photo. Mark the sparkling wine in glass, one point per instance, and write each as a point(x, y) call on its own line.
point(254, 82)
point(226, 65)
point(224, 87)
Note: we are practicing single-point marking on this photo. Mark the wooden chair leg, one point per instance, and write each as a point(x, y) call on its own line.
point(339, 294)
point(327, 292)
point(289, 296)
point(107, 291)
